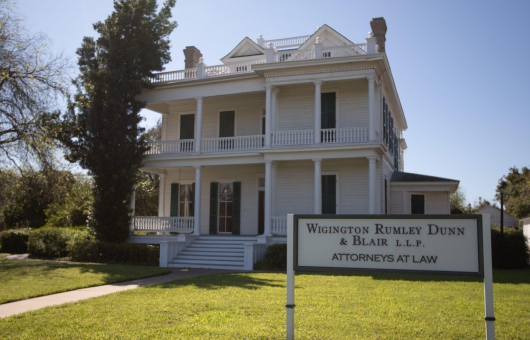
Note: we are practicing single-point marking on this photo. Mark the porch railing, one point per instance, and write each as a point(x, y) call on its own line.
point(161, 224)
point(163, 77)
point(344, 51)
point(296, 137)
point(279, 225)
point(172, 146)
point(232, 143)
point(222, 70)
point(283, 56)
point(346, 135)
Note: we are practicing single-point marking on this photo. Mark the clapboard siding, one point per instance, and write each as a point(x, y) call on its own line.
point(296, 107)
point(396, 202)
point(437, 203)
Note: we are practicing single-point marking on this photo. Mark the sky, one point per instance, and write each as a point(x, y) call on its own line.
point(460, 67)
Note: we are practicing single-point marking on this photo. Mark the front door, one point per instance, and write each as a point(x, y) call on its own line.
point(329, 194)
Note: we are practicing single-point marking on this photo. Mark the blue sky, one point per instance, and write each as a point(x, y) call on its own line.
point(460, 67)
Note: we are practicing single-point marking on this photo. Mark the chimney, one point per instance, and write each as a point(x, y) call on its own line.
point(192, 56)
point(379, 29)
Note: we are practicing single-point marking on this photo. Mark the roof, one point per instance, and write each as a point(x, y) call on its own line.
point(399, 176)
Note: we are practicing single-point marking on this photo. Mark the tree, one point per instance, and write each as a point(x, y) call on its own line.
point(148, 184)
point(101, 128)
point(517, 192)
point(457, 202)
point(31, 82)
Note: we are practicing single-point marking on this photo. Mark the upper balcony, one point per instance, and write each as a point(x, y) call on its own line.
point(271, 51)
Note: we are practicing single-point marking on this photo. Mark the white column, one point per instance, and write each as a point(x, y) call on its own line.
point(268, 199)
point(164, 126)
point(371, 184)
point(162, 195)
point(274, 176)
point(318, 109)
point(197, 202)
point(198, 125)
point(274, 108)
point(371, 108)
point(268, 114)
point(318, 186)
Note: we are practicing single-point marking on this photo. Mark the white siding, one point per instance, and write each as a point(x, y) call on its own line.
point(437, 203)
point(396, 202)
point(495, 216)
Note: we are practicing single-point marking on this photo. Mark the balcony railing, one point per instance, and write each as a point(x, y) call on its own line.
point(161, 224)
point(279, 225)
point(247, 143)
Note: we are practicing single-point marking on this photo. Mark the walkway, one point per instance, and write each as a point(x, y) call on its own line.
point(22, 306)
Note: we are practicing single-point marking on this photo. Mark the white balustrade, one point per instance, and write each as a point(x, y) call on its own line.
point(295, 137)
point(171, 146)
point(163, 77)
point(163, 224)
point(232, 143)
point(345, 135)
point(222, 70)
point(283, 56)
point(279, 225)
point(343, 51)
point(286, 42)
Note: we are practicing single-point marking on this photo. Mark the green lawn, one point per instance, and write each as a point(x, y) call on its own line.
point(24, 279)
point(251, 306)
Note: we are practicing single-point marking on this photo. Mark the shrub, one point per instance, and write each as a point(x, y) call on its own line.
point(88, 250)
point(275, 258)
point(510, 251)
point(15, 241)
point(51, 242)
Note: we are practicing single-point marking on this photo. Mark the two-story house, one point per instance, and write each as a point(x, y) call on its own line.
point(309, 124)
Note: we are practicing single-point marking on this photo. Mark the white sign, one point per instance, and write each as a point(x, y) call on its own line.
point(379, 242)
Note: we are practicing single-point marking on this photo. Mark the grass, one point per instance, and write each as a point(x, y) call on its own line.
point(330, 306)
point(25, 279)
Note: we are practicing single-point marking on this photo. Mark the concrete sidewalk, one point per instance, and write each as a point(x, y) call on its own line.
point(18, 307)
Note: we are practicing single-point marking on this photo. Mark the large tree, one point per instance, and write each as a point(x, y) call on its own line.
point(517, 192)
point(32, 79)
point(101, 127)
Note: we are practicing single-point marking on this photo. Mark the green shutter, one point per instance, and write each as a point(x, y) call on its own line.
point(214, 188)
point(327, 112)
point(174, 206)
point(236, 209)
point(329, 194)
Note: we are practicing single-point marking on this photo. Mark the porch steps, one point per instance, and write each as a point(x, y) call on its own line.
point(214, 252)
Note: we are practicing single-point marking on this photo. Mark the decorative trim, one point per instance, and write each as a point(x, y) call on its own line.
point(330, 70)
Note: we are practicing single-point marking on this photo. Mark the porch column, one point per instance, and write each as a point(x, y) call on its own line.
point(371, 184)
point(371, 108)
point(164, 126)
point(131, 206)
point(198, 125)
point(318, 109)
point(268, 114)
point(197, 202)
point(274, 107)
point(162, 195)
point(268, 199)
point(318, 186)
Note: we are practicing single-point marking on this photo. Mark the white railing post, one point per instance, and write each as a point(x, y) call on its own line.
point(371, 108)
point(261, 41)
point(198, 125)
point(268, 199)
point(200, 69)
point(269, 53)
point(197, 202)
point(318, 187)
point(161, 195)
point(268, 114)
point(318, 49)
point(318, 109)
point(371, 42)
point(163, 254)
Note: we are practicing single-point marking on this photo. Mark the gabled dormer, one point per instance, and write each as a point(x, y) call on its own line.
point(327, 36)
point(246, 50)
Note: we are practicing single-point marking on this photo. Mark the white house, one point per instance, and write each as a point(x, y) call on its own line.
point(309, 124)
point(495, 216)
point(526, 227)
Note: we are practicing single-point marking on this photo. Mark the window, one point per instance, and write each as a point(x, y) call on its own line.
point(186, 200)
point(417, 204)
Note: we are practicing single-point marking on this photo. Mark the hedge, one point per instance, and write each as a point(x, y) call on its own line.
point(105, 252)
point(14, 241)
point(510, 251)
point(50, 242)
point(275, 258)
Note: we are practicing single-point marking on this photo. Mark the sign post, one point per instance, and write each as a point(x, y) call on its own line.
point(444, 244)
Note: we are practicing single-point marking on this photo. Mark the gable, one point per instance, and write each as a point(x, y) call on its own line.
point(328, 37)
point(246, 48)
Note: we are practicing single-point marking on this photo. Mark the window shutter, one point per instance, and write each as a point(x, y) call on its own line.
point(174, 205)
point(214, 187)
point(417, 204)
point(236, 209)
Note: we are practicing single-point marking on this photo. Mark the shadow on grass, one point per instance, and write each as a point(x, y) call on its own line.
point(230, 280)
point(514, 276)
